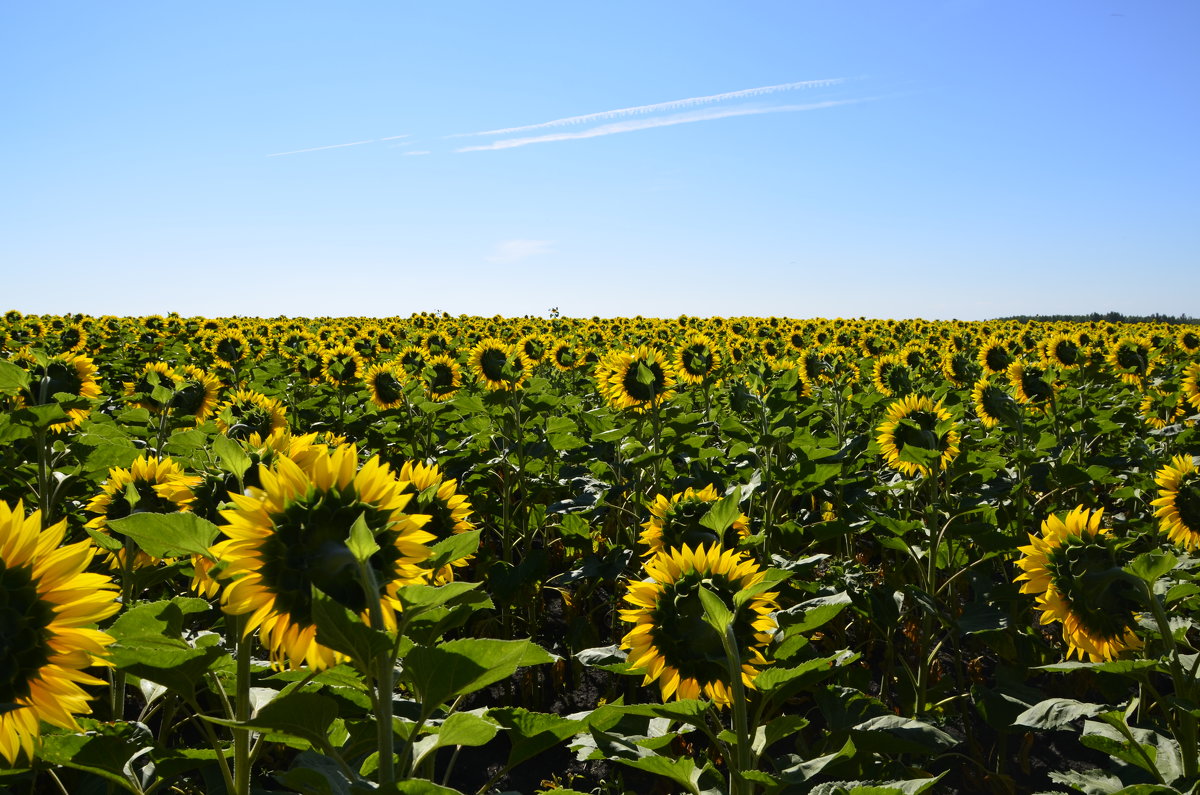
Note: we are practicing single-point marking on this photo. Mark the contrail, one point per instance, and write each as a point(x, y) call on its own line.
point(662, 121)
point(677, 104)
point(319, 148)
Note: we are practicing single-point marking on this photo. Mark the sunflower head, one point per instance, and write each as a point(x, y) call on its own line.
point(248, 412)
point(292, 535)
point(499, 366)
point(49, 599)
point(697, 360)
point(1030, 384)
point(916, 435)
point(65, 373)
point(342, 365)
point(1074, 569)
point(438, 497)
point(672, 643)
point(196, 393)
point(891, 376)
point(638, 380)
point(959, 368)
point(994, 356)
point(1063, 351)
point(155, 376)
point(1131, 358)
point(443, 377)
point(1178, 503)
point(994, 404)
point(676, 522)
point(385, 382)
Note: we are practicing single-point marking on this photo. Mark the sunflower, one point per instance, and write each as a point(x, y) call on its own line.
point(675, 522)
point(1062, 350)
point(1191, 385)
point(412, 359)
point(697, 359)
point(1131, 359)
point(196, 393)
point(385, 383)
point(564, 355)
point(49, 599)
point(891, 376)
point(1074, 570)
point(994, 356)
point(341, 365)
point(149, 485)
point(498, 366)
point(671, 642)
point(1178, 503)
point(1162, 406)
point(292, 535)
point(1188, 341)
point(1030, 385)
point(917, 422)
point(247, 412)
point(66, 373)
point(153, 376)
point(993, 404)
point(443, 377)
point(638, 380)
point(229, 347)
point(438, 497)
point(959, 368)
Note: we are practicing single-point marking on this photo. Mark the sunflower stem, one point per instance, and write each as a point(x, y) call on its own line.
point(241, 737)
point(385, 667)
point(741, 724)
point(1184, 721)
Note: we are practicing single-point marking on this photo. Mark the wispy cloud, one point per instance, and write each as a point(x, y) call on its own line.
point(675, 104)
point(661, 121)
point(319, 148)
point(416, 152)
point(509, 251)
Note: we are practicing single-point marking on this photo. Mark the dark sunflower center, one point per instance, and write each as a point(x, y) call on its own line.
point(685, 640)
point(643, 380)
point(342, 369)
point(697, 360)
point(1066, 352)
point(565, 356)
point(534, 349)
point(1131, 358)
point(897, 379)
point(918, 429)
point(492, 362)
point(189, 398)
point(248, 420)
point(308, 548)
point(681, 525)
point(60, 377)
point(1086, 572)
point(441, 522)
point(1190, 340)
point(24, 632)
point(441, 379)
point(1187, 502)
point(997, 358)
point(388, 388)
point(148, 501)
point(230, 349)
point(960, 368)
point(1034, 385)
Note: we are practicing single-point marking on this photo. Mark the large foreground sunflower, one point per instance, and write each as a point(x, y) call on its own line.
point(292, 535)
point(672, 644)
point(45, 644)
point(917, 422)
point(1178, 503)
point(1074, 571)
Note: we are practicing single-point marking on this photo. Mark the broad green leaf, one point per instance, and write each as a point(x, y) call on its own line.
point(233, 456)
point(716, 613)
point(893, 734)
point(723, 514)
point(306, 716)
point(779, 682)
point(455, 547)
point(1110, 667)
point(362, 541)
point(343, 630)
point(168, 535)
point(1149, 566)
point(442, 673)
point(813, 613)
point(1056, 713)
point(13, 378)
point(771, 578)
point(682, 771)
point(415, 599)
point(531, 733)
point(420, 786)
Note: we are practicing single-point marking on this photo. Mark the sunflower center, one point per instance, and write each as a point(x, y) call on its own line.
point(24, 632)
point(189, 399)
point(441, 379)
point(997, 358)
point(308, 548)
point(388, 388)
point(698, 360)
point(148, 501)
point(681, 525)
point(1085, 571)
point(1187, 501)
point(61, 377)
point(441, 522)
point(1066, 352)
point(1130, 358)
point(643, 380)
point(249, 420)
point(918, 429)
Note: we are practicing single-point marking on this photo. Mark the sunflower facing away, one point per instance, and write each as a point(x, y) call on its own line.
point(675, 522)
point(916, 421)
point(66, 372)
point(247, 412)
point(670, 641)
point(1178, 503)
point(152, 376)
point(196, 394)
point(291, 535)
point(385, 383)
point(49, 601)
point(1074, 571)
point(638, 380)
point(437, 496)
point(697, 360)
point(993, 404)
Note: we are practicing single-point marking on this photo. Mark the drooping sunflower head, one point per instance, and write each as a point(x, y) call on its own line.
point(154, 376)
point(438, 497)
point(994, 404)
point(248, 412)
point(916, 434)
point(638, 380)
point(385, 382)
point(443, 378)
point(49, 599)
point(671, 642)
point(1074, 568)
point(675, 522)
point(64, 373)
point(292, 535)
point(1178, 503)
point(697, 359)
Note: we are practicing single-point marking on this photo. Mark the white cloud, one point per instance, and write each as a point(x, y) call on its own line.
point(319, 148)
point(416, 152)
point(675, 104)
point(662, 121)
point(509, 251)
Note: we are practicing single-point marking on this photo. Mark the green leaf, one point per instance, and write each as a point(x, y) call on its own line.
point(415, 599)
point(13, 378)
point(233, 456)
point(682, 771)
point(456, 547)
point(466, 728)
point(458, 667)
point(362, 541)
point(101, 755)
point(771, 578)
point(420, 786)
point(168, 535)
point(1149, 566)
point(306, 716)
point(1110, 667)
point(104, 540)
point(315, 774)
point(892, 734)
point(716, 613)
point(813, 613)
point(1056, 713)
point(343, 630)
point(778, 682)
point(531, 733)
point(723, 514)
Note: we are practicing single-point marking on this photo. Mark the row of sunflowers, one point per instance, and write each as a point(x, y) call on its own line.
point(457, 554)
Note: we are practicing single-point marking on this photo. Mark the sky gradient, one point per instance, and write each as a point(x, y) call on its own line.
point(965, 159)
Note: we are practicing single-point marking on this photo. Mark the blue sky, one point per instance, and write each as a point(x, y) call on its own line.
point(963, 159)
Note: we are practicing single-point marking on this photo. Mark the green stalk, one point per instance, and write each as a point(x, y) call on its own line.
point(241, 737)
point(384, 670)
point(1183, 721)
point(741, 724)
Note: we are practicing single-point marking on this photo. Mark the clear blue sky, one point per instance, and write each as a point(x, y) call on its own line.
point(969, 159)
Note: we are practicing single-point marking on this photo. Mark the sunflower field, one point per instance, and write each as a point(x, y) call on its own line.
point(442, 554)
